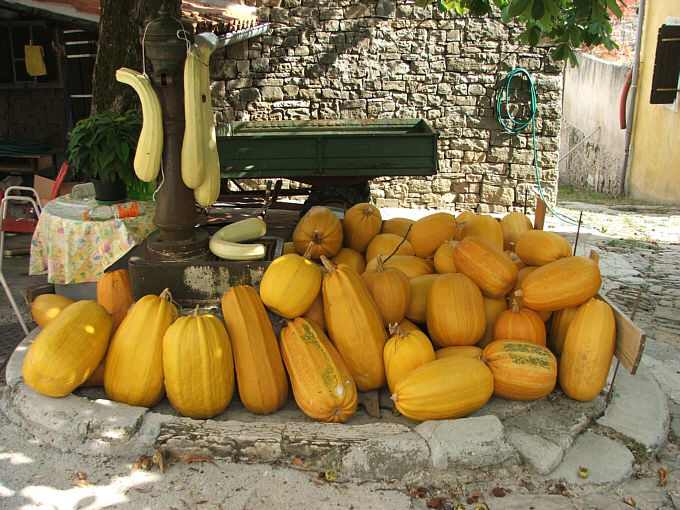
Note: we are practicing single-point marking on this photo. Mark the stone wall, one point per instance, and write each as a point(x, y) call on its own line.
point(380, 59)
point(32, 114)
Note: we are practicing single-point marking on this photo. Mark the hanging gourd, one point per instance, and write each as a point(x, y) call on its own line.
point(588, 351)
point(513, 225)
point(444, 389)
point(68, 349)
point(114, 292)
point(323, 386)
point(561, 284)
point(354, 325)
point(321, 226)
point(455, 311)
point(290, 284)
point(361, 223)
point(405, 351)
point(198, 366)
point(430, 231)
point(521, 370)
point(540, 247)
point(46, 307)
point(390, 289)
point(134, 362)
point(524, 325)
point(261, 377)
point(486, 264)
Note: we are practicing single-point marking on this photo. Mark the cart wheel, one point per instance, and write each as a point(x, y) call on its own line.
point(331, 196)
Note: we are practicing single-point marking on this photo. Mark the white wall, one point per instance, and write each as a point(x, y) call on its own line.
point(592, 93)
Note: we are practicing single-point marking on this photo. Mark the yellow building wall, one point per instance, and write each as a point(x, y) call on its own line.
point(655, 166)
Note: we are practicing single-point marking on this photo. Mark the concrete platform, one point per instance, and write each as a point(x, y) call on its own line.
point(553, 436)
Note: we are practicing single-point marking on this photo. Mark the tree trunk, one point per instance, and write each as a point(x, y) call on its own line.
point(121, 30)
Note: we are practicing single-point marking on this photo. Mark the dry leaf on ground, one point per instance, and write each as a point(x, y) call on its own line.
point(663, 477)
point(188, 459)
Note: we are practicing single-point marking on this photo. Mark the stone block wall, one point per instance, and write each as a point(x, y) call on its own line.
point(32, 114)
point(344, 59)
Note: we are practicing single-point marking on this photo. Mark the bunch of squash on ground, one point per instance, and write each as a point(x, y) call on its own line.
point(446, 311)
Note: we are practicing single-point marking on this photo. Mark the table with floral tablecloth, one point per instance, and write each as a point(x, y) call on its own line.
point(73, 250)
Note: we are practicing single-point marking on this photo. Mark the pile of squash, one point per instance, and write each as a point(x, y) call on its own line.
point(445, 311)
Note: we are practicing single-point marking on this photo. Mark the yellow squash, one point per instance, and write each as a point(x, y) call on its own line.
point(354, 325)
point(68, 349)
point(444, 389)
point(588, 351)
point(521, 370)
point(322, 384)
point(46, 307)
point(290, 284)
point(134, 363)
point(262, 381)
point(405, 351)
point(361, 223)
point(198, 366)
point(455, 311)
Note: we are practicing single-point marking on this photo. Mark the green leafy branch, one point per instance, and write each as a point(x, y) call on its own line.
point(568, 24)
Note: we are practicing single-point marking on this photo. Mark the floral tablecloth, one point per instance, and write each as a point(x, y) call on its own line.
point(72, 250)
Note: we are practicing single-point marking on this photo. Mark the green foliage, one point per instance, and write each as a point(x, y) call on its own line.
point(103, 146)
point(567, 24)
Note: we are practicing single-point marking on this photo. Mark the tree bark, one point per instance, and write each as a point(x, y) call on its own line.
point(121, 30)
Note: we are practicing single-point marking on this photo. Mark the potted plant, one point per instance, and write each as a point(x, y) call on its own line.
point(102, 148)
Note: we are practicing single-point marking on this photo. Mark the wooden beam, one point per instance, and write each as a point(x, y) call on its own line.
point(539, 216)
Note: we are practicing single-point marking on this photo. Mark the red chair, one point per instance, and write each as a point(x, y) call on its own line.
point(30, 197)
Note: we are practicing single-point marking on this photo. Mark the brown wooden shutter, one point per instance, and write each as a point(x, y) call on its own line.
point(666, 65)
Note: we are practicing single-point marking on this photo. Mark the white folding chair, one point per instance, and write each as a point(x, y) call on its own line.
point(17, 226)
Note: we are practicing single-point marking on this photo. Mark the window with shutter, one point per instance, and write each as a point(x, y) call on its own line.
point(665, 81)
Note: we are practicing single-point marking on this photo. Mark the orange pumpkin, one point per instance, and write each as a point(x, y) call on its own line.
point(430, 231)
point(390, 289)
point(523, 325)
point(354, 325)
point(114, 292)
point(455, 311)
point(46, 307)
point(350, 257)
point(398, 226)
point(361, 223)
point(561, 284)
point(513, 225)
point(485, 264)
point(322, 227)
point(540, 247)
point(485, 226)
point(588, 351)
point(521, 370)
point(386, 245)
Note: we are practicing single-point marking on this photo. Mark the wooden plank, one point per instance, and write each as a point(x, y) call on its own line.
point(539, 217)
point(630, 339)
